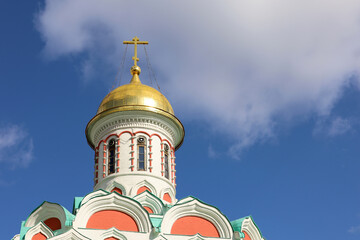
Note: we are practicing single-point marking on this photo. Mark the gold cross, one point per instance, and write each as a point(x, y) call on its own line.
point(135, 41)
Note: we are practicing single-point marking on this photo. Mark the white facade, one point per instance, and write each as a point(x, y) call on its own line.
point(126, 129)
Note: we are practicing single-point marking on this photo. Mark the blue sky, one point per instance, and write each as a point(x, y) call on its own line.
point(268, 92)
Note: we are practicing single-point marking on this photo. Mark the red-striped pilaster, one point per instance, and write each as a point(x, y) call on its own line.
point(150, 155)
point(118, 155)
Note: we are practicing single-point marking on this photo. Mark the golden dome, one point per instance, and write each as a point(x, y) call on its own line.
point(134, 96)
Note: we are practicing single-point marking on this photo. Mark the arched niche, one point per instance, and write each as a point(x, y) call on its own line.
point(149, 200)
point(106, 219)
point(53, 215)
point(193, 209)
point(192, 225)
point(38, 232)
point(110, 205)
point(117, 190)
point(143, 186)
point(39, 236)
point(250, 230)
point(142, 189)
point(246, 236)
point(167, 196)
point(53, 223)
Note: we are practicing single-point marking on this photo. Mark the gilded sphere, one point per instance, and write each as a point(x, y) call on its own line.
point(135, 70)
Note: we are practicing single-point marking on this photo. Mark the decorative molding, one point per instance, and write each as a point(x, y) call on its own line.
point(143, 183)
point(117, 185)
point(147, 199)
point(39, 228)
point(115, 202)
point(171, 193)
point(45, 211)
point(250, 228)
point(193, 207)
point(197, 237)
point(16, 237)
point(118, 177)
point(113, 232)
point(161, 237)
point(92, 195)
point(72, 234)
point(132, 121)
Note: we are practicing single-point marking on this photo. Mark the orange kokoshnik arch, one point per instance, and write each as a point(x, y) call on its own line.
point(106, 219)
point(149, 210)
point(53, 223)
point(143, 189)
point(39, 236)
point(167, 198)
point(247, 237)
point(191, 225)
point(118, 190)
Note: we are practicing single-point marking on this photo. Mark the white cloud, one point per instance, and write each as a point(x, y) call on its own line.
point(354, 229)
point(212, 153)
point(241, 66)
point(332, 126)
point(339, 126)
point(16, 147)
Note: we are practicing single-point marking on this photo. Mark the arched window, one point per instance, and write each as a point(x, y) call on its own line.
point(111, 156)
point(166, 156)
point(141, 147)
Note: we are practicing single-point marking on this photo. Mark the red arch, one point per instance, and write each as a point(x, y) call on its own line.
point(106, 219)
point(149, 210)
point(97, 148)
point(39, 236)
point(111, 135)
point(133, 134)
point(142, 133)
point(247, 237)
point(53, 223)
point(191, 225)
point(157, 135)
point(143, 189)
point(118, 190)
point(170, 146)
point(111, 238)
point(167, 197)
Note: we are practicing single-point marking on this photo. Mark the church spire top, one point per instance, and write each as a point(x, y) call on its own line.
point(135, 70)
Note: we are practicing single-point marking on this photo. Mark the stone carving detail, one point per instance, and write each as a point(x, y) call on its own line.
point(134, 122)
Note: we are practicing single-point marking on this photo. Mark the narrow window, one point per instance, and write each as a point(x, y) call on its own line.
point(141, 154)
point(166, 152)
point(111, 158)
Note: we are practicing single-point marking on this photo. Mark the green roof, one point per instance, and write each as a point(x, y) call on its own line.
point(23, 230)
point(76, 205)
point(156, 222)
point(237, 224)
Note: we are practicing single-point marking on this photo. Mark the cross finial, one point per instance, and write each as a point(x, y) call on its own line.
point(135, 41)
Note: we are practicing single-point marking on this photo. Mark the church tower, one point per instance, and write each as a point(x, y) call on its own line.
point(135, 135)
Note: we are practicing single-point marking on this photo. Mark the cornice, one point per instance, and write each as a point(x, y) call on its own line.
point(111, 125)
point(168, 125)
